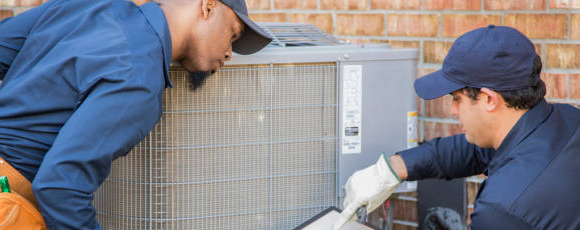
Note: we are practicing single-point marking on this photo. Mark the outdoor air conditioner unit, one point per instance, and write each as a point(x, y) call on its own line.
point(269, 141)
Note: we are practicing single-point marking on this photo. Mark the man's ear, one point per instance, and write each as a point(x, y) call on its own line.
point(491, 99)
point(208, 7)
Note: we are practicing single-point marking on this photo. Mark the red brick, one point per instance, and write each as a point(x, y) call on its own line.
point(322, 21)
point(396, 4)
point(426, 25)
point(435, 52)
point(356, 41)
point(20, 10)
point(10, 3)
point(563, 56)
point(359, 41)
point(404, 210)
point(420, 73)
point(258, 4)
point(455, 25)
point(539, 25)
point(452, 4)
point(556, 85)
point(399, 43)
point(439, 107)
point(29, 2)
point(515, 5)
point(295, 4)
point(575, 26)
point(360, 24)
point(269, 17)
point(405, 44)
point(424, 71)
point(420, 111)
point(343, 5)
point(378, 41)
point(538, 49)
point(575, 86)
point(6, 13)
point(434, 129)
point(565, 4)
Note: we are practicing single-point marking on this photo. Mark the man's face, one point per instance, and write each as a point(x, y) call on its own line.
point(209, 45)
point(472, 118)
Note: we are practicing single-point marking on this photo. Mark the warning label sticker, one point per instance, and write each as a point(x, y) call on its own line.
point(352, 109)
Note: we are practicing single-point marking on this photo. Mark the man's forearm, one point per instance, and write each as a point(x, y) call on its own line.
point(398, 165)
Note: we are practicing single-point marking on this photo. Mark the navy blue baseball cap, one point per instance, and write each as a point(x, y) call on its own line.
point(254, 37)
point(496, 57)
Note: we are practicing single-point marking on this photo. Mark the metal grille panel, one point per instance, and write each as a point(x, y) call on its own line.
point(255, 148)
point(298, 34)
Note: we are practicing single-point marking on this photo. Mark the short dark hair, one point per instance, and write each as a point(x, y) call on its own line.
point(525, 98)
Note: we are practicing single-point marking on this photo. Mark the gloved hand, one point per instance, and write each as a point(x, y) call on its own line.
point(370, 186)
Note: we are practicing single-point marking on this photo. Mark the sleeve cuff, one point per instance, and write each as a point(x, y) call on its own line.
point(415, 161)
point(391, 168)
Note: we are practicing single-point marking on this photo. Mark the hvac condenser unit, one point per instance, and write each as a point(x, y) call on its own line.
point(269, 141)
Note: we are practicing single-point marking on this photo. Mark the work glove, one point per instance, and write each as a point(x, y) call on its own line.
point(370, 186)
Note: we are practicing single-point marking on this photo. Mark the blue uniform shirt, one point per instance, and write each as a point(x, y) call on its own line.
point(82, 84)
point(532, 177)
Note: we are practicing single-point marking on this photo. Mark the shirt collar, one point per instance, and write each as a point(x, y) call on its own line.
point(521, 130)
point(158, 22)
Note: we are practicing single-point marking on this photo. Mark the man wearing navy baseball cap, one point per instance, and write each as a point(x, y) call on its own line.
point(82, 83)
point(528, 148)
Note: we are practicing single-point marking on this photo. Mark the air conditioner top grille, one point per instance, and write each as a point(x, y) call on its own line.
point(296, 34)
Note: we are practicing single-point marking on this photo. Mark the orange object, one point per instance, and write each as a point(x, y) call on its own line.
point(18, 182)
point(16, 212)
point(18, 209)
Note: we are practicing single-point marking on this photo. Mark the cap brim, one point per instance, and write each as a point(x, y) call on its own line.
point(435, 85)
point(253, 39)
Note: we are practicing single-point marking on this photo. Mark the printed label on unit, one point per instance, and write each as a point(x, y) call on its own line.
point(352, 109)
point(412, 136)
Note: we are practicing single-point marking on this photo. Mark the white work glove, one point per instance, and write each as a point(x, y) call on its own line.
point(370, 186)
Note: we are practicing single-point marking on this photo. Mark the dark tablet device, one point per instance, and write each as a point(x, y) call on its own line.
point(326, 219)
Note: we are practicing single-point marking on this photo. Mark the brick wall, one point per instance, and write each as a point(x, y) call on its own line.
point(431, 26)
point(10, 8)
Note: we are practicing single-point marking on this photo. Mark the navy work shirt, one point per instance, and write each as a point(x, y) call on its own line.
point(533, 177)
point(82, 84)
